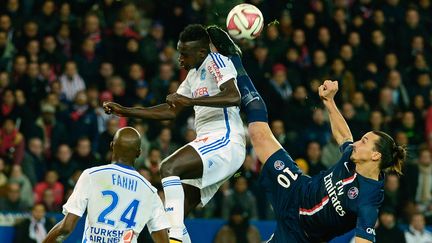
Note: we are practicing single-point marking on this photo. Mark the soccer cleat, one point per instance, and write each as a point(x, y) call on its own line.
point(223, 42)
point(173, 240)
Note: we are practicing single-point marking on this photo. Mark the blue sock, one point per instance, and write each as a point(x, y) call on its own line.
point(252, 102)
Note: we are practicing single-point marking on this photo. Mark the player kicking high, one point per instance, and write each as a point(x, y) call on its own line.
point(219, 149)
point(319, 208)
point(119, 201)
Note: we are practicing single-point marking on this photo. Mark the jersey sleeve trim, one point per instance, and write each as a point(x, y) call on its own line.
point(345, 145)
point(72, 211)
point(218, 60)
point(362, 234)
point(221, 68)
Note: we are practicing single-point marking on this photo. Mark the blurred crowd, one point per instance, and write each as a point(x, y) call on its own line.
point(60, 60)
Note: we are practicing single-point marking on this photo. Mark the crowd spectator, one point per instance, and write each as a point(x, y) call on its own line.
point(313, 158)
point(63, 163)
point(35, 228)
point(417, 232)
point(71, 82)
point(240, 195)
point(26, 192)
point(388, 230)
point(238, 228)
point(49, 129)
point(13, 201)
point(50, 183)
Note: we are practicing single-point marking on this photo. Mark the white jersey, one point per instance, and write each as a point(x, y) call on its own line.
point(119, 203)
point(205, 81)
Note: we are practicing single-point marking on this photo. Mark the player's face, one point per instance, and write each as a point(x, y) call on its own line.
point(364, 149)
point(190, 54)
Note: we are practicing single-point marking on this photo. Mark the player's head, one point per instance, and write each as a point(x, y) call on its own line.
point(193, 46)
point(380, 150)
point(126, 145)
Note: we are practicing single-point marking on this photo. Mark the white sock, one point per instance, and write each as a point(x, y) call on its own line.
point(186, 237)
point(174, 205)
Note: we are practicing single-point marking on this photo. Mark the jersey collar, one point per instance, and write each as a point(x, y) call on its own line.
point(198, 66)
point(124, 166)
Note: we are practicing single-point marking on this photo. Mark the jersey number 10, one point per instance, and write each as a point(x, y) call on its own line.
point(283, 179)
point(128, 215)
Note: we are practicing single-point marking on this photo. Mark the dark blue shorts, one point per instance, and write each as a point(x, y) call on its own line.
point(283, 181)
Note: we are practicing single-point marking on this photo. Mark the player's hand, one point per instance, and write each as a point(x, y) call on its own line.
point(175, 99)
point(328, 89)
point(113, 108)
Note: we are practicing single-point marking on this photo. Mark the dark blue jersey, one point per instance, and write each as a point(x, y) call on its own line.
point(338, 200)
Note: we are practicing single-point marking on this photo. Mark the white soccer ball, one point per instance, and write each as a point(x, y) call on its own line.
point(245, 21)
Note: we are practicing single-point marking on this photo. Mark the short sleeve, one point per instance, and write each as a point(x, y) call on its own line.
point(158, 219)
point(366, 219)
point(221, 68)
point(77, 202)
point(345, 146)
point(185, 89)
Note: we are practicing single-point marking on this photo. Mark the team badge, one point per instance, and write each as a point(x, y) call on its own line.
point(203, 74)
point(353, 192)
point(127, 237)
point(279, 165)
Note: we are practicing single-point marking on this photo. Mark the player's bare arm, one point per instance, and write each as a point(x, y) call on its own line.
point(339, 127)
point(229, 96)
point(158, 112)
point(160, 236)
point(62, 229)
point(361, 240)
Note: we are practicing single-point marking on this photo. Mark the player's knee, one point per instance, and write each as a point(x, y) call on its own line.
point(259, 133)
point(168, 169)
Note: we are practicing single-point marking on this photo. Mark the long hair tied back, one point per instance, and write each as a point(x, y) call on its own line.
point(392, 155)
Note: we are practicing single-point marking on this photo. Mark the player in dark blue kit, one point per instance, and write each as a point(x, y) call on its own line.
point(319, 208)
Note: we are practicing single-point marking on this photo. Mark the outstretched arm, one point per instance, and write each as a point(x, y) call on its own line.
point(229, 96)
point(158, 112)
point(340, 129)
point(61, 230)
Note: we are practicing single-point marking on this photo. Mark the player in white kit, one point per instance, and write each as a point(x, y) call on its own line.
point(193, 174)
point(119, 201)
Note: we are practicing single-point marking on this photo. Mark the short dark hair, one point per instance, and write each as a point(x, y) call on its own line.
point(392, 155)
point(195, 32)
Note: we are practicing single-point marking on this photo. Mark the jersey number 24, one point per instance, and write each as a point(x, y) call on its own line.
point(128, 215)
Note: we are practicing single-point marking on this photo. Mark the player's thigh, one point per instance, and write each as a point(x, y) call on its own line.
point(263, 141)
point(281, 179)
point(220, 160)
point(185, 163)
point(192, 197)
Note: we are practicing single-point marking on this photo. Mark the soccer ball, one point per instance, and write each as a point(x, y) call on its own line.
point(245, 21)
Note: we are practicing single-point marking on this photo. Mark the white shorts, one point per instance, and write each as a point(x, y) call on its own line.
point(220, 161)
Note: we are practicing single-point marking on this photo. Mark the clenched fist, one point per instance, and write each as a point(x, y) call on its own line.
point(113, 108)
point(328, 89)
